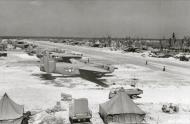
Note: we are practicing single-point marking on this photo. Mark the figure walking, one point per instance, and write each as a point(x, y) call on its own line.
point(164, 69)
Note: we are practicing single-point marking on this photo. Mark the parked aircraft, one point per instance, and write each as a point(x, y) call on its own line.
point(40, 51)
point(74, 67)
point(20, 44)
point(59, 55)
point(64, 57)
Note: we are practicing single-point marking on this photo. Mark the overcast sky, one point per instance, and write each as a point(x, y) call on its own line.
point(95, 18)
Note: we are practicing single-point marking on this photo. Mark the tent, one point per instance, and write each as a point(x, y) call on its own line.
point(121, 109)
point(10, 112)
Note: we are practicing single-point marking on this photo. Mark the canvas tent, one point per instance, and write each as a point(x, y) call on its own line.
point(121, 109)
point(10, 112)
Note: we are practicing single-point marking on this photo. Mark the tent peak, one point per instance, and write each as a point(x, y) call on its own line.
point(9, 110)
point(5, 94)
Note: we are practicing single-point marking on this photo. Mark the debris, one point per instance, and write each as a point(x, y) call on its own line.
point(131, 49)
point(4, 54)
point(45, 118)
point(170, 108)
point(66, 97)
point(183, 58)
point(56, 108)
point(52, 120)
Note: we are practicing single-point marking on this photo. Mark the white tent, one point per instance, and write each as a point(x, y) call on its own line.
point(10, 112)
point(121, 109)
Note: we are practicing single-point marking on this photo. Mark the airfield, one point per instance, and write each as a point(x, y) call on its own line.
point(22, 79)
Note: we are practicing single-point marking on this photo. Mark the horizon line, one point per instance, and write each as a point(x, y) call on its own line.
point(77, 37)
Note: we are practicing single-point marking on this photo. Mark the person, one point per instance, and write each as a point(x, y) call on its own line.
point(164, 69)
point(26, 117)
point(146, 62)
point(133, 83)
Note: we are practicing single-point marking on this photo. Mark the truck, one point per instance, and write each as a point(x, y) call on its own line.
point(132, 93)
point(79, 111)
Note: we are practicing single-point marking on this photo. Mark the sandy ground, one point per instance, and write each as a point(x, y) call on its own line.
point(21, 78)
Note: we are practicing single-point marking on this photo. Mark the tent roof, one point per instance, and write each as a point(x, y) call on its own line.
point(121, 104)
point(9, 109)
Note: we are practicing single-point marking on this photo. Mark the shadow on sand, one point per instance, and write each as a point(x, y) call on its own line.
point(44, 76)
point(52, 78)
point(97, 81)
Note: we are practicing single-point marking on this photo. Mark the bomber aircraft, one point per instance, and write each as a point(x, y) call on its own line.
point(74, 67)
point(59, 55)
point(64, 57)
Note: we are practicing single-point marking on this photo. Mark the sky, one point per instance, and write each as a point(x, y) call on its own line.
point(95, 18)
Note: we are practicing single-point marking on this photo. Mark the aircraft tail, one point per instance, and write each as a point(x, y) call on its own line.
point(74, 61)
point(47, 65)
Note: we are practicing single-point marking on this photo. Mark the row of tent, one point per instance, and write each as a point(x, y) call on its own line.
point(120, 109)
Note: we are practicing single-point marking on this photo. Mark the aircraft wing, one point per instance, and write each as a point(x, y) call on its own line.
point(93, 69)
point(65, 55)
